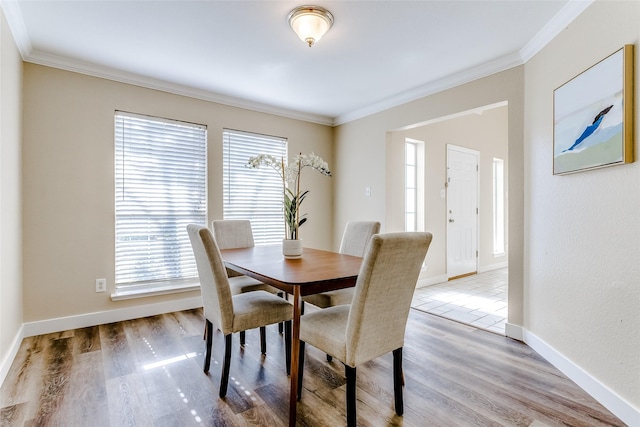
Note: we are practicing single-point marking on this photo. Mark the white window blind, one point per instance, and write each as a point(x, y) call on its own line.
point(410, 186)
point(254, 194)
point(498, 207)
point(160, 173)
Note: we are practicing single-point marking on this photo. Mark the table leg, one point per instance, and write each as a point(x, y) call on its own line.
point(295, 354)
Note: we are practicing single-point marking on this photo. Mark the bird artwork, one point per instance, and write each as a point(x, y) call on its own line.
point(589, 130)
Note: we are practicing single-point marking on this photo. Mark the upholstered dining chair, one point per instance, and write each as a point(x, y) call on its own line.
point(374, 324)
point(355, 237)
point(237, 233)
point(232, 313)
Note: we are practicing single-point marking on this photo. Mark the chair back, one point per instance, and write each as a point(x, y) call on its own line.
point(214, 285)
point(383, 293)
point(356, 235)
point(233, 233)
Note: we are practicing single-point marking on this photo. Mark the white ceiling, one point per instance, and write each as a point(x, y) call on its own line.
point(378, 53)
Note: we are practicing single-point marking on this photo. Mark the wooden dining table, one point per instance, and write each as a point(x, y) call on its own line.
point(315, 272)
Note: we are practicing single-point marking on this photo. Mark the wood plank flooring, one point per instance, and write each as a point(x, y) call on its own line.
point(148, 372)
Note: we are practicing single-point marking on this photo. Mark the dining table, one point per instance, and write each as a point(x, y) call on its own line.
point(314, 272)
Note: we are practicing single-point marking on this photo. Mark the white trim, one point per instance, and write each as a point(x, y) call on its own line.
point(422, 282)
point(59, 324)
point(558, 23)
point(513, 331)
point(622, 409)
point(13, 15)
point(491, 267)
point(449, 82)
point(75, 66)
point(5, 365)
point(435, 280)
point(124, 294)
point(476, 154)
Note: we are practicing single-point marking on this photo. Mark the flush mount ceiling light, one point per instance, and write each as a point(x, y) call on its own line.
point(310, 23)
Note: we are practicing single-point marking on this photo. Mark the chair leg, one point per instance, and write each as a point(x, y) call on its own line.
point(208, 333)
point(242, 338)
point(398, 380)
point(287, 345)
point(224, 379)
point(263, 340)
point(300, 369)
point(281, 324)
point(350, 373)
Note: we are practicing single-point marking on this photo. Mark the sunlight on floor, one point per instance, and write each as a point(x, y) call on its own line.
point(479, 300)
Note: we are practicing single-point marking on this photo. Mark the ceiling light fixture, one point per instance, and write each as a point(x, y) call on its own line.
point(310, 23)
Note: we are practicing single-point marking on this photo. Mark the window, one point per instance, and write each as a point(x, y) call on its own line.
point(253, 194)
point(160, 174)
point(410, 186)
point(413, 185)
point(498, 207)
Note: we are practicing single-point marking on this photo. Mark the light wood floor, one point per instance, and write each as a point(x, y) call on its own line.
point(148, 372)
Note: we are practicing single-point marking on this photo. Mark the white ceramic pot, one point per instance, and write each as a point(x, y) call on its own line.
point(292, 249)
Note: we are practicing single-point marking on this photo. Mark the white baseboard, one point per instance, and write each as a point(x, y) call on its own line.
point(428, 281)
point(103, 317)
point(91, 319)
point(5, 365)
point(609, 399)
point(492, 267)
point(603, 394)
point(514, 331)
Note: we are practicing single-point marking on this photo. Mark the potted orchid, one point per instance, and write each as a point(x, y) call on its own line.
point(293, 196)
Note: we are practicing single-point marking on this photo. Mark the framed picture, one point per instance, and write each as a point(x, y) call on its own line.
point(593, 116)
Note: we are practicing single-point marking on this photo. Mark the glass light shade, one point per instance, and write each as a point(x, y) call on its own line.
point(310, 23)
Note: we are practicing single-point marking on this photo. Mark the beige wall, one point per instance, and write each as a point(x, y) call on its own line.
point(582, 263)
point(364, 158)
point(10, 194)
point(576, 286)
point(485, 132)
point(69, 184)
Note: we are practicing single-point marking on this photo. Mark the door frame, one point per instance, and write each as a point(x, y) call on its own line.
point(475, 153)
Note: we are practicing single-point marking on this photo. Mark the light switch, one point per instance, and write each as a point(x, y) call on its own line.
point(367, 191)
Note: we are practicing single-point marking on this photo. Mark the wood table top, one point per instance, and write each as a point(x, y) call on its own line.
point(316, 271)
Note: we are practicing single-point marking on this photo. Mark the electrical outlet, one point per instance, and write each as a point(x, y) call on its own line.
point(101, 285)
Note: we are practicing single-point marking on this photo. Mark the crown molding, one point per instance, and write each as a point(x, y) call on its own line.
point(54, 61)
point(440, 85)
point(559, 22)
point(13, 14)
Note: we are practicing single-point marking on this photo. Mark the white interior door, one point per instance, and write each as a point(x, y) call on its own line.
point(462, 211)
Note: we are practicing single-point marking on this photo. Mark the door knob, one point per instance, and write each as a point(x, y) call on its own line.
point(451, 220)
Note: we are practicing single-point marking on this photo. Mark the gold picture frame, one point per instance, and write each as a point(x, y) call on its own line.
point(593, 116)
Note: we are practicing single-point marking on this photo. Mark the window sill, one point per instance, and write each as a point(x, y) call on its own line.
point(150, 290)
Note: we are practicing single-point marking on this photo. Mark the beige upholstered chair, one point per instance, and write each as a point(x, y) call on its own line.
point(237, 233)
point(374, 323)
point(232, 313)
point(355, 237)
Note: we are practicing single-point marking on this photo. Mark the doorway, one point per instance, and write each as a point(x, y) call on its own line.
point(483, 243)
point(462, 211)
